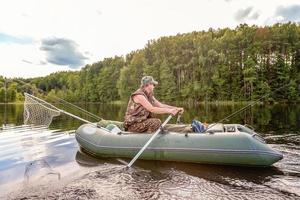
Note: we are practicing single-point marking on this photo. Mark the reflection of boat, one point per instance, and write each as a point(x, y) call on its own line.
point(215, 173)
point(226, 144)
point(87, 160)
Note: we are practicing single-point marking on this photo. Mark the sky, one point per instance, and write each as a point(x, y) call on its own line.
point(41, 37)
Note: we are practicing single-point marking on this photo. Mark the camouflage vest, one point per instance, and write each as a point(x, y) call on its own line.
point(136, 112)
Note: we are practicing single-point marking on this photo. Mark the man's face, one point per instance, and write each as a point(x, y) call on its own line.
point(151, 87)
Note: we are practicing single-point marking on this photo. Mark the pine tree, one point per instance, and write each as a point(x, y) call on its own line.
point(167, 84)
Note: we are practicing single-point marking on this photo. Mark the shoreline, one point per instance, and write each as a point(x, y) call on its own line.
point(119, 102)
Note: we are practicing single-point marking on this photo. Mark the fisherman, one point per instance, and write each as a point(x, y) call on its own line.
point(141, 107)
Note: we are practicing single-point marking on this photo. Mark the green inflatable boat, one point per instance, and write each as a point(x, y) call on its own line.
point(223, 144)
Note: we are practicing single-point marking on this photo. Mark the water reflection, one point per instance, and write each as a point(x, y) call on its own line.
point(38, 170)
point(155, 179)
point(31, 155)
point(169, 180)
point(280, 119)
point(214, 173)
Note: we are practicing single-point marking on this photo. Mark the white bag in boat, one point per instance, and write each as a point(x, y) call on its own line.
point(113, 128)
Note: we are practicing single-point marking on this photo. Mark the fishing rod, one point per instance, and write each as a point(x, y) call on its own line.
point(250, 104)
point(99, 118)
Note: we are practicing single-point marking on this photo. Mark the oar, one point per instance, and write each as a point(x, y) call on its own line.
point(149, 141)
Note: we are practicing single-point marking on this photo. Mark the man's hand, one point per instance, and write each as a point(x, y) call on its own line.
point(180, 110)
point(173, 111)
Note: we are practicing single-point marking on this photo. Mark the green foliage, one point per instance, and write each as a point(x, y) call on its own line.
point(263, 89)
point(167, 83)
point(131, 75)
point(2, 94)
point(9, 91)
point(292, 92)
point(250, 78)
point(238, 64)
point(106, 83)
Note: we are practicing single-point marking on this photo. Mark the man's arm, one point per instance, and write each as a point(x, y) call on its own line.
point(154, 109)
point(161, 105)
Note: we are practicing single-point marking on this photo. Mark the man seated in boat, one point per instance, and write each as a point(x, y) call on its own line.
point(141, 107)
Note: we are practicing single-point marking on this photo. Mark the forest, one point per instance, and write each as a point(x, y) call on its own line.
point(241, 64)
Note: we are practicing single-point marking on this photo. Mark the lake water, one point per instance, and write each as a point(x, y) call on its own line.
point(45, 163)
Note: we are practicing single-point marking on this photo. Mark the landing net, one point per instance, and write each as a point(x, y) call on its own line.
point(38, 112)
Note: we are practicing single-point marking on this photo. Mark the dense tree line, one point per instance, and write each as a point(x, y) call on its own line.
point(10, 91)
point(238, 64)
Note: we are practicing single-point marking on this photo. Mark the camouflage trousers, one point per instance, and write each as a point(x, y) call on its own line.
point(148, 125)
point(152, 124)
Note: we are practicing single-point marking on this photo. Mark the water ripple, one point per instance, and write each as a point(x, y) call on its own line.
point(113, 182)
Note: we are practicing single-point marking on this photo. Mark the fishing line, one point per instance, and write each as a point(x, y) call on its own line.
point(251, 104)
point(66, 103)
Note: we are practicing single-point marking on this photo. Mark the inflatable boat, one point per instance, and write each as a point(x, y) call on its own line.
point(223, 144)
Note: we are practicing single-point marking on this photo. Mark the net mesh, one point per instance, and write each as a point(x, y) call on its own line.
point(38, 112)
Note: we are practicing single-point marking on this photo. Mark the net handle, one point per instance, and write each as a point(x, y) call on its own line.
point(60, 99)
point(36, 99)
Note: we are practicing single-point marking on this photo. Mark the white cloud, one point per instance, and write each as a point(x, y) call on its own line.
point(288, 13)
point(62, 51)
point(24, 61)
point(242, 14)
point(110, 27)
